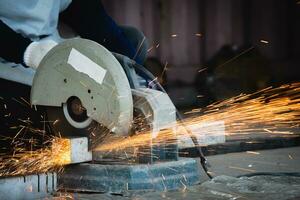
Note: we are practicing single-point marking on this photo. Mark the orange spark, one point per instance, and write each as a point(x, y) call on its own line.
point(201, 70)
point(40, 161)
point(272, 109)
point(242, 169)
point(264, 41)
point(253, 152)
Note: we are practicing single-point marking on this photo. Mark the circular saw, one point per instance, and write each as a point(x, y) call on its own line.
point(87, 92)
point(84, 89)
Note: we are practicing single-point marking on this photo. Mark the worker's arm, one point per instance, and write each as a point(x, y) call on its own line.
point(18, 49)
point(12, 44)
point(90, 20)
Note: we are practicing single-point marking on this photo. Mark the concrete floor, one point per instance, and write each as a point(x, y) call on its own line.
point(276, 160)
point(233, 164)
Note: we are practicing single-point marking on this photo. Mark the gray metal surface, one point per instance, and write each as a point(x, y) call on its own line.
point(28, 187)
point(79, 150)
point(121, 179)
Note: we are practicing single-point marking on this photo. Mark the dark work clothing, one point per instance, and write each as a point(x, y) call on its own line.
point(13, 45)
point(88, 19)
point(139, 41)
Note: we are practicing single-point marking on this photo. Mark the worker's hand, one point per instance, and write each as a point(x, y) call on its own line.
point(36, 51)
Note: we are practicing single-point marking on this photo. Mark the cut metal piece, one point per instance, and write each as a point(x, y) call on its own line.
point(79, 150)
point(96, 79)
point(74, 150)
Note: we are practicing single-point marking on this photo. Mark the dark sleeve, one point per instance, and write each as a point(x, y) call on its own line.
point(90, 20)
point(12, 44)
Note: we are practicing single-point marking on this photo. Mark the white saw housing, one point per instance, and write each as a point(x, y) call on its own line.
point(84, 69)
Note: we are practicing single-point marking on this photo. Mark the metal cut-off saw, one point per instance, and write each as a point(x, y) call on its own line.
point(85, 90)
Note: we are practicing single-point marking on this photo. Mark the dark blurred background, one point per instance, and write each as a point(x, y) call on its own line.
point(208, 50)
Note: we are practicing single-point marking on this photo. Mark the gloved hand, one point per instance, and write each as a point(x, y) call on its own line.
point(36, 51)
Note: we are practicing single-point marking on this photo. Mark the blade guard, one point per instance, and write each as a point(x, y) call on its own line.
point(85, 69)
